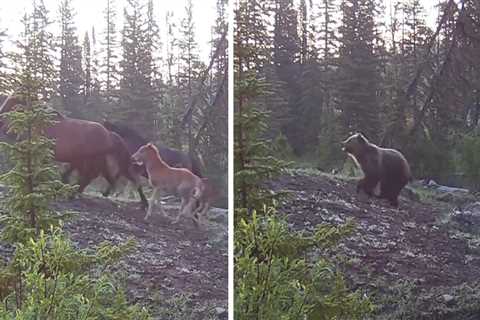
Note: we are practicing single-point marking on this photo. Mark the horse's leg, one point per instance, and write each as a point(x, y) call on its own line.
point(202, 211)
point(110, 171)
point(67, 173)
point(88, 170)
point(151, 204)
point(143, 199)
point(134, 179)
point(111, 183)
point(84, 182)
point(185, 208)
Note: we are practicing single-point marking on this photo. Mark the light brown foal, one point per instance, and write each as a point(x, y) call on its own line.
point(176, 181)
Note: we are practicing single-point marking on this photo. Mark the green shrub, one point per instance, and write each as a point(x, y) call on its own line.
point(429, 159)
point(275, 280)
point(470, 159)
point(54, 280)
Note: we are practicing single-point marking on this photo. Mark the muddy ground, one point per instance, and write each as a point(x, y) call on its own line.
point(421, 261)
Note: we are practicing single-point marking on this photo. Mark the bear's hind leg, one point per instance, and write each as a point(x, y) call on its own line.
point(368, 185)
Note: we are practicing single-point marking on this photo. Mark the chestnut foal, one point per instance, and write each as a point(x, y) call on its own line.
point(176, 181)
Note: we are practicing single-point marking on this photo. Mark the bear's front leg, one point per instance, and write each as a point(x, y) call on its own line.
point(368, 185)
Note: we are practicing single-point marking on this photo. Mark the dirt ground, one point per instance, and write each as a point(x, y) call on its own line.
point(421, 242)
point(170, 260)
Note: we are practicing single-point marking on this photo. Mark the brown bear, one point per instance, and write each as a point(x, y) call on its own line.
point(386, 168)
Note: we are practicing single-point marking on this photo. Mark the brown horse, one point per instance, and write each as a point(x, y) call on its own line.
point(87, 146)
point(178, 181)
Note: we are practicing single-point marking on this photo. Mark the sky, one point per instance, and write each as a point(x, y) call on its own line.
point(430, 10)
point(90, 13)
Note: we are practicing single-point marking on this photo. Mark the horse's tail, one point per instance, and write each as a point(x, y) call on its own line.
point(199, 189)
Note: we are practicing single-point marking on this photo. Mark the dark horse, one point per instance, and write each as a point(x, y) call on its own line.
point(88, 147)
point(174, 158)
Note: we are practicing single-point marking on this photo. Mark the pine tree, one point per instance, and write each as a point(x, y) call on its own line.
point(108, 65)
point(153, 44)
point(35, 54)
point(71, 73)
point(138, 103)
point(170, 46)
point(87, 68)
point(359, 75)
point(286, 51)
point(252, 154)
point(303, 13)
point(211, 137)
point(188, 67)
point(95, 64)
point(3, 74)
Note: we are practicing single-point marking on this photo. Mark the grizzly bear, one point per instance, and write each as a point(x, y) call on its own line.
point(382, 167)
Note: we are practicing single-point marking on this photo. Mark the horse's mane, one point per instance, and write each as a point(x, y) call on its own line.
point(157, 154)
point(125, 131)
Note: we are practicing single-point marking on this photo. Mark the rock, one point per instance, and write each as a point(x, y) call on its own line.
point(452, 189)
point(445, 197)
point(218, 215)
point(432, 184)
point(474, 208)
point(220, 311)
point(469, 218)
point(448, 299)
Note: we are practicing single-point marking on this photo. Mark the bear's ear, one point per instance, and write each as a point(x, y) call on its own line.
point(361, 138)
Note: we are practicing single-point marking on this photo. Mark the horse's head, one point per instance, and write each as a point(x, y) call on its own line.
point(144, 153)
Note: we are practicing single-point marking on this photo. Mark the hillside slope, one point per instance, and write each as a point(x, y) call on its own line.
point(421, 261)
point(177, 271)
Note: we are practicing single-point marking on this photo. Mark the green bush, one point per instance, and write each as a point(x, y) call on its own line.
point(429, 159)
point(275, 280)
point(470, 159)
point(54, 280)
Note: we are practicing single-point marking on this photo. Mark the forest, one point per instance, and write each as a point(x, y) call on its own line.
point(406, 77)
point(307, 75)
point(129, 73)
point(68, 254)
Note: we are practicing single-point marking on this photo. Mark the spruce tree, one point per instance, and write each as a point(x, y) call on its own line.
point(35, 53)
point(252, 155)
point(71, 77)
point(212, 133)
point(359, 77)
point(87, 68)
point(108, 68)
point(3, 75)
point(189, 67)
point(138, 103)
point(95, 68)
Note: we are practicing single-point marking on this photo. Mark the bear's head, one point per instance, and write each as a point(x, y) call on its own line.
point(355, 144)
